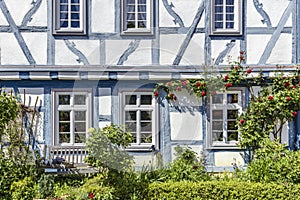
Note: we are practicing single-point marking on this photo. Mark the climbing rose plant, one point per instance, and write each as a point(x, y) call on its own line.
point(269, 109)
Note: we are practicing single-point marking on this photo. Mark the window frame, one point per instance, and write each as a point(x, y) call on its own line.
point(139, 146)
point(138, 31)
point(238, 13)
point(58, 30)
point(56, 108)
point(224, 106)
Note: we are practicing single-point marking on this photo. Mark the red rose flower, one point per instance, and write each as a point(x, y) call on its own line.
point(203, 93)
point(242, 58)
point(168, 83)
point(249, 71)
point(242, 52)
point(91, 195)
point(226, 77)
point(293, 87)
point(288, 98)
point(295, 113)
point(227, 85)
point(271, 98)
point(236, 67)
point(198, 84)
point(242, 121)
point(178, 88)
point(184, 83)
point(171, 95)
point(283, 77)
point(156, 93)
point(174, 98)
point(287, 84)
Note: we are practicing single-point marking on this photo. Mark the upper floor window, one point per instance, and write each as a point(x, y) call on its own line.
point(226, 17)
point(137, 16)
point(139, 117)
point(225, 108)
point(69, 17)
point(72, 116)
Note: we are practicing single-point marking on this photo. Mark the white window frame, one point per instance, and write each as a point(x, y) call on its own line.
point(58, 30)
point(56, 108)
point(137, 31)
point(153, 107)
point(225, 106)
point(237, 30)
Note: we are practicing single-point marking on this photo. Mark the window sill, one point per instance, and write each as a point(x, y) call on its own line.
point(136, 32)
point(225, 146)
point(141, 148)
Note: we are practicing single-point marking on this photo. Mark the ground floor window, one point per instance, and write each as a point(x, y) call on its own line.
point(225, 107)
point(138, 114)
point(72, 116)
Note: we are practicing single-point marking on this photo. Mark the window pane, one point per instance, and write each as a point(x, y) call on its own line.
point(229, 25)
point(217, 125)
point(63, 16)
point(75, 7)
point(231, 125)
point(75, 15)
point(79, 99)
point(63, 7)
point(146, 99)
point(217, 99)
point(232, 98)
point(64, 126)
point(64, 24)
point(232, 114)
point(145, 115)
point(64, 115)
point(146, 126)
point(63, 1)
point(229, 9)
point(134, 137)
point(130, 115)
point(80, 115)
point(217, 136)
point(64, 99)
point(218, 2)
point(218, 25)
point(142, 8)
point(75, 24)
point(142, 16)
point(146, 138)
point(217, 114)
point(130, 126)
point(142, 24)
point(232, 136)
point(229, 17)
point(75, 1)
point(130, 1)
point(130, 16)
point(80, 127)
point(130, 24)
point(219, 9)
point(131, 9)
point(64, 138)
point(141, 1)
point(130, 99)
point(80, 137)
point(219, 17)
point(229, 2)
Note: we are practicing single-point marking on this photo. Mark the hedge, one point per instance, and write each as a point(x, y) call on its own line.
point(210, 190)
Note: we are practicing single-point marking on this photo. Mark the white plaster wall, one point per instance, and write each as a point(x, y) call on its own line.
point(185, 9)
point(31, 95)
point(103, 16)
point(104, 105)
point(40, 17)
point(3, 19)
point(11, 52)
point(114, 50)
point(64, 56)
point(18, 9)
point(196, 148)
point(218, 46)
point(223, 159)
point(37, 44)
point(91, 50)
point(194, 54)
point(255, 51)
point(144, 160)
point(282, 52)
point(142, 55)
point(184, 98)
point(274, 9)
point(169, 46)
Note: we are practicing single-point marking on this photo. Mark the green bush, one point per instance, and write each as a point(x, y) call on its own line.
point(46, 185)
point(219, 190)
point(22, 189)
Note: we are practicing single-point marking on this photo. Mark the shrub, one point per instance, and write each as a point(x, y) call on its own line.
point(46, 185)
point(22, 189)
point(219, 190)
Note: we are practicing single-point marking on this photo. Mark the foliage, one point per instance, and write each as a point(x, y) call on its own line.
point(273, 163)
point(219, 190)
point(106, 149)
point(46, 185)
point(22, 189)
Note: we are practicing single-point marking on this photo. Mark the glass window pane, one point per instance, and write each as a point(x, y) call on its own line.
point(130, 115)
point(146, 115)
point(63, 7)
point(232, 98)
point(64, 115)
point(130, 24)
point(64, 126)
point(218, 2)
point(130, 1)
point(75, 15)
point(64, 24)
point(217, 125)
point(231, 125)
point(130, 126)
point(146, 99)
point(142, 24)
point(232, 136)
point(64, 99)
point(63, 16)
point(80, 115)
point(230, 25)
point(229, 17)
point(75, 1)
point(217, 114)
point(75, 7)
point(134, 137)
point(79, 99)
point(75, 24)
point(63, 1)
point(130, 99)
point(219, 9)
point(229, 9)
point(219, 17)
point(146, 126)
point(80, 137)
point(130, 16)
point(142, 8)
point(218, 25)
point(141, 1)
point(217, 136)
point(232, 114)
point(131, 9)
point(217, 99)
point(229, 2)
point(64, 138)
point(142, 16)
point(80, 126)
point(146, 138)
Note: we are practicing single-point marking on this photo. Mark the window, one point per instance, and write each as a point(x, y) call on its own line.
point(72, 118)
point(226, 17)
point(224, 111)
point(69, 17)
point(139, 117)
point(137, 17)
